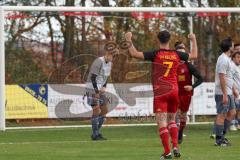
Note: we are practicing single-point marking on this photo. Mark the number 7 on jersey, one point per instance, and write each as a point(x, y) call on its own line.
point(169, 66)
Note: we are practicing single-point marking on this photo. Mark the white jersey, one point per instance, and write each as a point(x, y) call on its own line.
point(236, 77)
point(224, 65)
point(102, 70)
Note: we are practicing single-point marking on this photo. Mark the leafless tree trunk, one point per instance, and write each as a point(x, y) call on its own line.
point(68, 48)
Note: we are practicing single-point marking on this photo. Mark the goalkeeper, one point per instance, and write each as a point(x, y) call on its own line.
point(96, 87)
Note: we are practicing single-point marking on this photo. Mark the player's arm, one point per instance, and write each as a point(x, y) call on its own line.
point(132, 50)
point(194, 48)
point(94, 82)
point(95, 71)
point(183, 56)
point(196, 74)
point(235, 91)
point(223, 87)
point(221, 72)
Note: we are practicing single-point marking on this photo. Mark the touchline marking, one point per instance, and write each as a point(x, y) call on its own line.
point(89, 126)
point(84, 141)
point(61, 142)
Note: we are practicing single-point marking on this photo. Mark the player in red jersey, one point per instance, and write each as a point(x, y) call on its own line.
point(165, 86)
point(185, 72)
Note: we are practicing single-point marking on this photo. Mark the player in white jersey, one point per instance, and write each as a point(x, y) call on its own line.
point(236, 58)
point(96, 88)
point(224, 92)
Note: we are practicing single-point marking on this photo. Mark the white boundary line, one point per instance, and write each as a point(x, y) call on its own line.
point(89, 126)
point(86, 141)
point(58, 142)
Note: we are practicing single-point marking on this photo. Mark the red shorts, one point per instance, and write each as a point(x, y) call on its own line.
point(167, 103)
point(184, 103)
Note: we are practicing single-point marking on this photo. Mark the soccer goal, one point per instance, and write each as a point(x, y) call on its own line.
point(46, 53)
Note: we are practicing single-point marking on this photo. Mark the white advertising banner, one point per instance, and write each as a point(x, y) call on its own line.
point(68, 101)
point(203, 100)
point(134, 100)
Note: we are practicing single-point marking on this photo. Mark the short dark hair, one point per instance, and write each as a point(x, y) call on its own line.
point(226, 44)
point(235, 54)
point(236, 45)
point(164, 36)
point(177, 45)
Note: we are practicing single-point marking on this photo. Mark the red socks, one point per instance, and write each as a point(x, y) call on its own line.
point(182, 124)
point(163, 132)
point(173, 130)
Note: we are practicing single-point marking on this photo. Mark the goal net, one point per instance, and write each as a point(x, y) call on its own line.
point(48, 55)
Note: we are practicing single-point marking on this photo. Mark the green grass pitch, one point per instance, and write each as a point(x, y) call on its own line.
point(124, 143)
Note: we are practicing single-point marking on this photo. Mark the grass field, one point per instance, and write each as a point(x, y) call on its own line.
point(124, 143)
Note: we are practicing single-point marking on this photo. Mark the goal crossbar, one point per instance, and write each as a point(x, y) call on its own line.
point(120, 9)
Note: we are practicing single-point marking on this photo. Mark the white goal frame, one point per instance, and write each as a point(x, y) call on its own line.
point(79, 9)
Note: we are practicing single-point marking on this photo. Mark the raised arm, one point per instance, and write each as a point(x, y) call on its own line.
point(194, 49)
point(132, 50)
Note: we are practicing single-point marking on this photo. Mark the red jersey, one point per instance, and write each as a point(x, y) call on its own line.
point(164, 69)
point(184, 79)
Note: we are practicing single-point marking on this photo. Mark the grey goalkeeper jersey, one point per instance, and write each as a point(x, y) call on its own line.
point(102, 70)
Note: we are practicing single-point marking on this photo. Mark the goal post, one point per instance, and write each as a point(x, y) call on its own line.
point(81, 9)
point(2, 70)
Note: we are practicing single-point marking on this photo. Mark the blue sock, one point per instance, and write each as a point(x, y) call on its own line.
point(177, 119)
point(101, 120)
point(226, 126)
point(219, 132)
point(95, 126)
point(214, 128)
